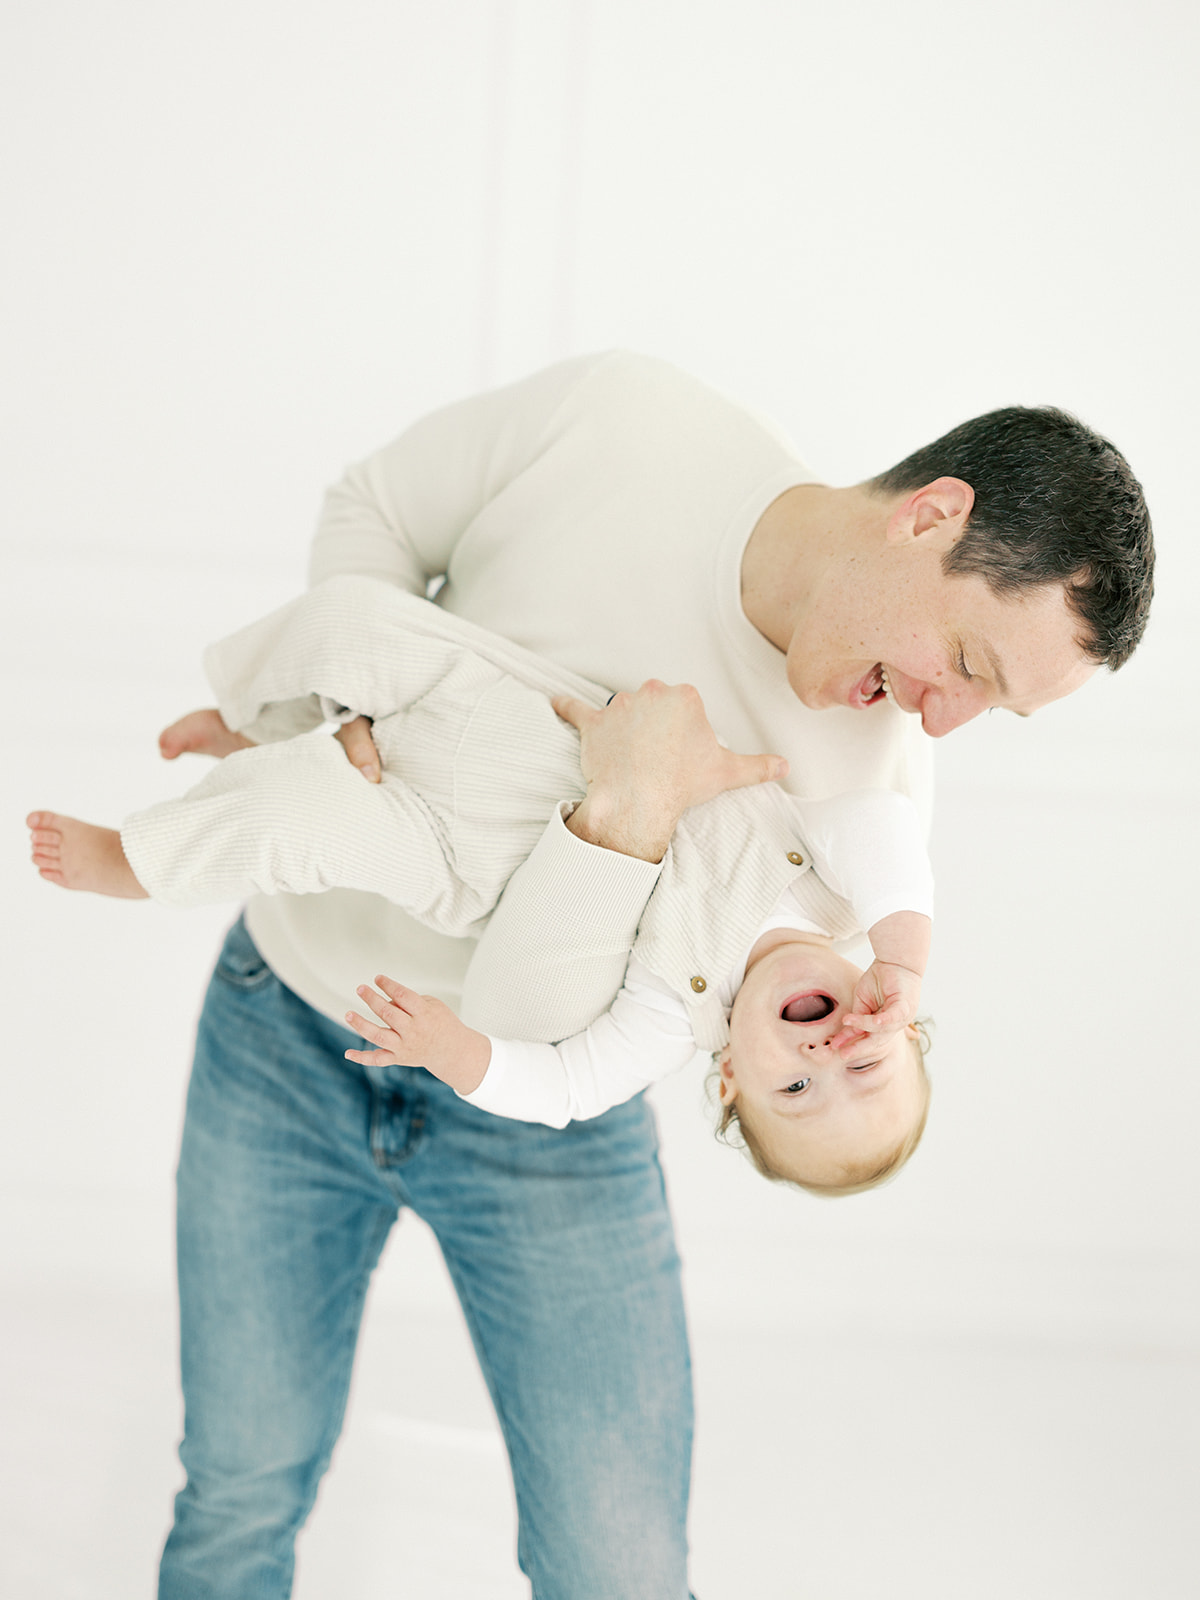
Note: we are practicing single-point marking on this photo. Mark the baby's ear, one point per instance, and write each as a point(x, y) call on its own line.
point(726, 1087)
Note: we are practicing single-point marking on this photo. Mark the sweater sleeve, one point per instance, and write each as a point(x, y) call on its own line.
point(644, 1036)
point(569, 916)
point(398, 514)
point(868, 846)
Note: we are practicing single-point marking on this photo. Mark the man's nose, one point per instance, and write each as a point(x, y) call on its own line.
point(943, 711)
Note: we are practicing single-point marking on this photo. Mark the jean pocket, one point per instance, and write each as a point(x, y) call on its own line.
point(239, 963)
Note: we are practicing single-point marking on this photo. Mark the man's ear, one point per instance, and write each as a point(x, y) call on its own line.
point(936, 514)
point(726, 1085)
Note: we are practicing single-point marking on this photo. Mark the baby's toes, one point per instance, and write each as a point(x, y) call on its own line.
point(46, 845)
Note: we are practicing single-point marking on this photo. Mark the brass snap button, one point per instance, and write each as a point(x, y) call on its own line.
point(795, 858)
point(699, 985)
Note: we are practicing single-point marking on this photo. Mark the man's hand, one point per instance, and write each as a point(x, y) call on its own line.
point(419, 1031)
point(646, 757)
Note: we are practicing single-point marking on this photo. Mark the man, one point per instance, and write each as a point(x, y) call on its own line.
point(628, 523)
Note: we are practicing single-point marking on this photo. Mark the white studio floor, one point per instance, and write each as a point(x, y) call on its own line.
point(980, 1383)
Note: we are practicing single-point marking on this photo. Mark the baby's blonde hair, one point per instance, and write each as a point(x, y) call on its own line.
point(856, 1179)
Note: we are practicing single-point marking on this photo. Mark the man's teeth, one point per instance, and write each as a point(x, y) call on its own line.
point(887, 686)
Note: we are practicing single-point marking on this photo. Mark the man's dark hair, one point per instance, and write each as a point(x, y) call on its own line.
point(1054, 503)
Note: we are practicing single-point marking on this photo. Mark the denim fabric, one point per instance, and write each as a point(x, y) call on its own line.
point(293, 1167)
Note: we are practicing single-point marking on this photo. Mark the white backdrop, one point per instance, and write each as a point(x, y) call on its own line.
point(247, 243)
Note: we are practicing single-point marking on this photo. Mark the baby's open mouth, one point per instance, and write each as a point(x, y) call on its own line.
point(807, 1008)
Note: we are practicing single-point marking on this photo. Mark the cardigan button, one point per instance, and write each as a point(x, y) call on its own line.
point(699, 985)
point(795, 858)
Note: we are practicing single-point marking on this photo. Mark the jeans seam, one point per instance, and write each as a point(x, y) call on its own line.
point(463, 1292)
point(351, 1326)
point(383, 1160)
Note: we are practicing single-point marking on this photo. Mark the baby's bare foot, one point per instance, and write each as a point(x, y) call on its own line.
point(77, 855)
point(200, 733)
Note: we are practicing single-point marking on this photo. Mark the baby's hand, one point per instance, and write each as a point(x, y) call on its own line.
point(419, 1031)
point(885, 1000)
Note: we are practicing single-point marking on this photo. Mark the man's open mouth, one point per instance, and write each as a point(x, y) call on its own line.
point(813, 1007)
point(873, 688)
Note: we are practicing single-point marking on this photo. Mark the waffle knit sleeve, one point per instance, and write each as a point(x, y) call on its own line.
point(569, 914)
point(399, 513)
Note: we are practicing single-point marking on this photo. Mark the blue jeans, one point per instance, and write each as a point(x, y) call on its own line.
point(293, 1167)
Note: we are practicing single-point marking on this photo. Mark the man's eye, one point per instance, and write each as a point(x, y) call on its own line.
point(798, 1087)
point(962, 668)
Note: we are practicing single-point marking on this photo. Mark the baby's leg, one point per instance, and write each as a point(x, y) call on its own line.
point(78, 855)
point(200, 733)
point(355, 641)
point(296, 818)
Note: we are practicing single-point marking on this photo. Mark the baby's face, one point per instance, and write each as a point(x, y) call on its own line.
point(811, 1107)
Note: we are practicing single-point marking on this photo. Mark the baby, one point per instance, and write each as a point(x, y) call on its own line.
point(818, 1063)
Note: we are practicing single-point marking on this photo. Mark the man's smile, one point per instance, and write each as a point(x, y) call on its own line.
point(876, 686)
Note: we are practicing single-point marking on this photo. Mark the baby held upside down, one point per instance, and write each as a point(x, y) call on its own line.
point(818, 1064)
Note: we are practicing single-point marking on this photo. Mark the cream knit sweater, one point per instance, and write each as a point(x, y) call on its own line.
point(596, 515)
point(474, 762)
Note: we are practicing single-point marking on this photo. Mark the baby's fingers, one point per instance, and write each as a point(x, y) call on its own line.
point(846, 1036)
point(403, 997)
point(885, 1021)
point(857, 1031)
point(370, 1030)
point(370, 1058)
point(394, 1015)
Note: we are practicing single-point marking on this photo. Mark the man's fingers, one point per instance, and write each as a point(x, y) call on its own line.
point(576, 712)
point(747, 770)
point(355, 739)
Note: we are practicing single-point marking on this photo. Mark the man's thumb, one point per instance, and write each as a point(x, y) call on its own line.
point(759, 769)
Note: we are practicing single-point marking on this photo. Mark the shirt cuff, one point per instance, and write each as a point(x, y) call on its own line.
point(489, 1093)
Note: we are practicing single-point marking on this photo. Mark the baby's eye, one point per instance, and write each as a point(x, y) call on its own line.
point(798, 1087)
point(862, 1066)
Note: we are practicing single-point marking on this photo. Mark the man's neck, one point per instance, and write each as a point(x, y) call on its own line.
point(806, 537)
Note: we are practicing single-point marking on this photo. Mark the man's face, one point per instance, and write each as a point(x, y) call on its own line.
point(944, 648)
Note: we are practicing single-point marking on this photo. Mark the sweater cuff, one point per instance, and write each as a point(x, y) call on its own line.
point(614, 886)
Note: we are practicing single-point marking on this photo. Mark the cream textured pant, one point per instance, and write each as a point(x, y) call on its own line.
point(474, 760)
